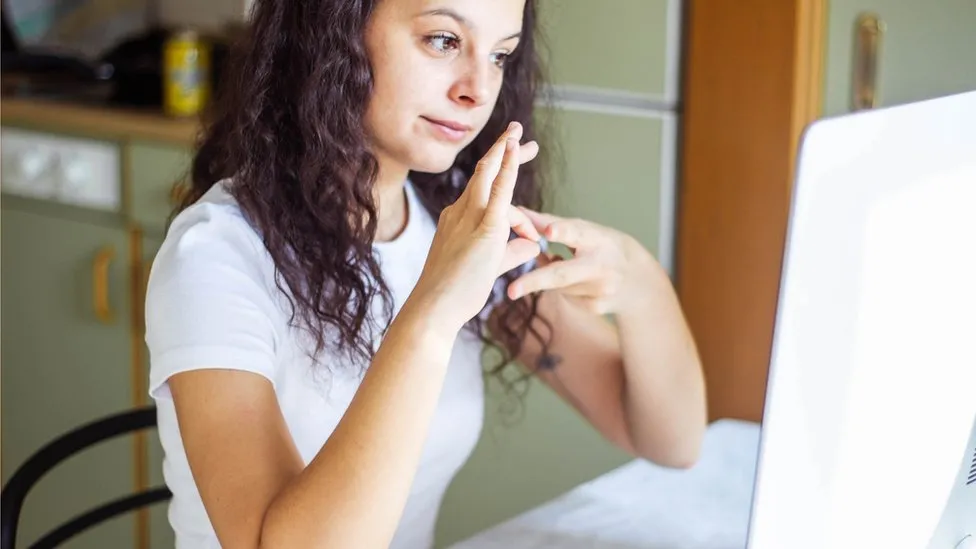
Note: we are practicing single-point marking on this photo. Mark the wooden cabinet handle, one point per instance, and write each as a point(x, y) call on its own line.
point(100, 284)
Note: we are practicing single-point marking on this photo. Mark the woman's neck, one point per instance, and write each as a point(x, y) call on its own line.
point(391, 201)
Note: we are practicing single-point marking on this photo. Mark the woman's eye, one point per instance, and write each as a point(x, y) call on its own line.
point(500, 59)
point(443, 42)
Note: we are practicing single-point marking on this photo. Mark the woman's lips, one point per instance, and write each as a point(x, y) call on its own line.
point(448, 130)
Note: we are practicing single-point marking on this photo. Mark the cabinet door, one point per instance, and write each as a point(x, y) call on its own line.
point(63, 366)
point(926, 50)
point(616, 169)
point(153, 169)
point(629, 46)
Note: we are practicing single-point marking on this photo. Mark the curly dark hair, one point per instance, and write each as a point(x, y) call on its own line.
point(288, 126)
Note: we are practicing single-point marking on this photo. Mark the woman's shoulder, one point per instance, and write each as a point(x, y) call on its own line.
point(210, 298)
point(209, 240)
point(216, 209)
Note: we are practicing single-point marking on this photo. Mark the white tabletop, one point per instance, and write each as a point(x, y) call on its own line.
point(641, 505)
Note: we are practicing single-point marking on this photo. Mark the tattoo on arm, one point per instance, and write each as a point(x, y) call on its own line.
point(548, 362)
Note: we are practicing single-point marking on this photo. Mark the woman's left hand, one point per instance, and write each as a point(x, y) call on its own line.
point(606, 269)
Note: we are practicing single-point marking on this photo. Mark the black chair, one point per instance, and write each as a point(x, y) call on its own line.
point(45, 459)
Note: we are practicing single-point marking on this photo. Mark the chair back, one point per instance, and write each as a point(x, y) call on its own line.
point(37, 465)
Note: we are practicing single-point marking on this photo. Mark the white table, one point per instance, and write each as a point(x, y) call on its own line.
point(641, 505)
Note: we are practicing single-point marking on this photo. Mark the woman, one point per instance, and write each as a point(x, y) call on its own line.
point(317, 312)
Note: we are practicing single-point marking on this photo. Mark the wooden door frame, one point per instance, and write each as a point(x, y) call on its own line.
point(752, 81)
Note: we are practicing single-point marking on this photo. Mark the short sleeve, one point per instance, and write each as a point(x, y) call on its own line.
point(208, 303)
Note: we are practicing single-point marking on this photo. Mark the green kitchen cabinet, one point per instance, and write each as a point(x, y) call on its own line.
point(152, 171)
point(66, 359)
point(616, 169)
point(627, 46)
point(927, 49)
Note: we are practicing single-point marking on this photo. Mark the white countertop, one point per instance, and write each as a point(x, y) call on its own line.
point(641, 505)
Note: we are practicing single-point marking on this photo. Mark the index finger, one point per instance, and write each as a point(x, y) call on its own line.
point(488, 167)
point(522, 226)
point(574, 233)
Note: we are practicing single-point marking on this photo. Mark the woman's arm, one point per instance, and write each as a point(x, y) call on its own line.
point(253, 483)
point(639, 382)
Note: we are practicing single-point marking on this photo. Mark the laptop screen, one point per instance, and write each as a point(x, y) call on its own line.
point(870, 403)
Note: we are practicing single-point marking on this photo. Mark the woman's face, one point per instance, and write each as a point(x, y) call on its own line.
point(437, 71)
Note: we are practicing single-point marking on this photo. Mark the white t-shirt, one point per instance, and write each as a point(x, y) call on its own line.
point(212, 302)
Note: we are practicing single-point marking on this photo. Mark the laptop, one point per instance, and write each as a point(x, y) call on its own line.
point(869, 429)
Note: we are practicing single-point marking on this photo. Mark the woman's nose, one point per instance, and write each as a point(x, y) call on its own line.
point(472, 86)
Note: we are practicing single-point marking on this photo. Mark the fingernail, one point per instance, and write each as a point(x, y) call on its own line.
point(511, 126)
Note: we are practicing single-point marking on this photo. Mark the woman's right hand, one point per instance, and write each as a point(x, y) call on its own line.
point(471, 247)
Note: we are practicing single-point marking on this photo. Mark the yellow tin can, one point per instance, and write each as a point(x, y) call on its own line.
point(186, 74)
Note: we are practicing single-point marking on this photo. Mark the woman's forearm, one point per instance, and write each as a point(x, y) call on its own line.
point(664, 389)
point(353, 492)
